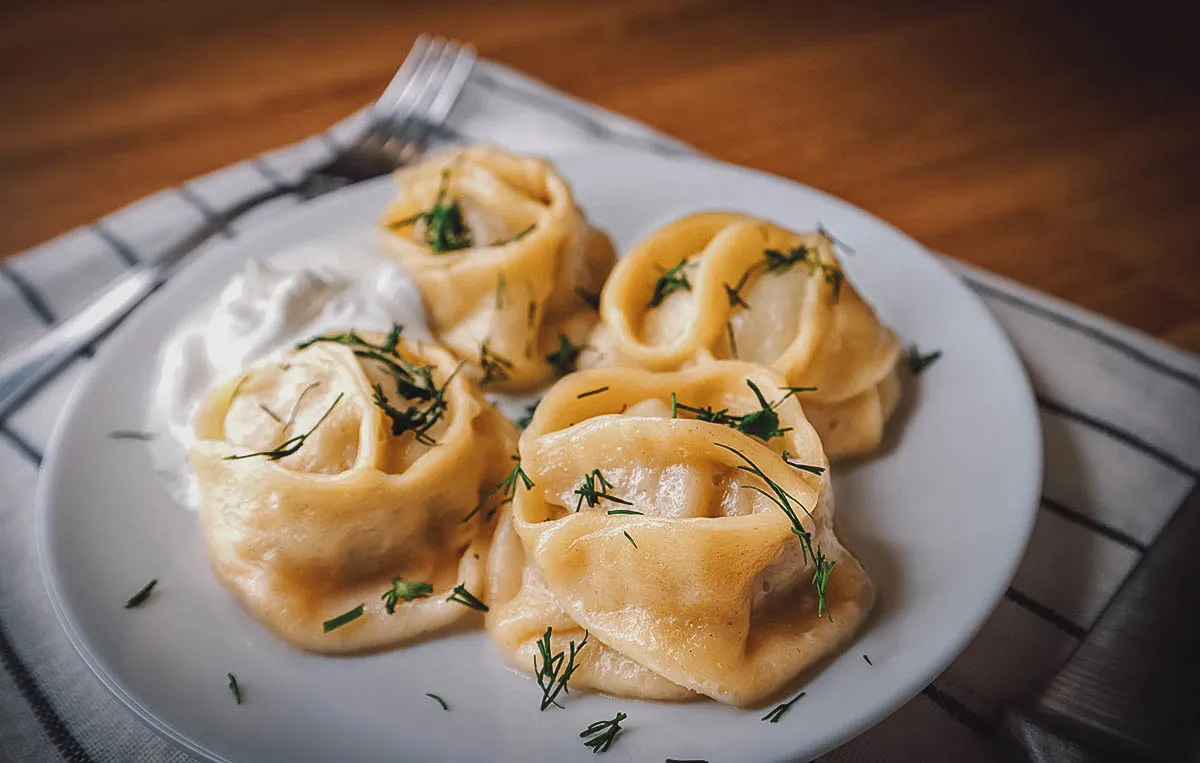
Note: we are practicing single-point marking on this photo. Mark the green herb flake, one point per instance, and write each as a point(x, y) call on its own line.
point(138, 598)
point(507, 487)
point(781, 710)
point(672, 280)
point(589, 393)
point(234, 688)
point(629, 538)
point(589, 491)
point(406, 591)
point(343, 619)
point(292, 444)
point(438, 700)
point(566, 357)
point(602, 733)
point(462, 596)
point(917, 362)
point(556, 668)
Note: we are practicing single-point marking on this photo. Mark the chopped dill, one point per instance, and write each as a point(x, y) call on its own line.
point(406, 591)
point(495, 367)
point(589, 393)
point(438, 700)
point(292, 444)
point(556, 668)
point(672, 280)
point(460, 595)
point(593, 495)
point(234, 688)
point(780, 710)
point(602, 733)
point(565, 358)
point(343, 619)
point(144, 593)
point(918, 362)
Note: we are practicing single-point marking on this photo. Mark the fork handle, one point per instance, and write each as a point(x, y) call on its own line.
point(24, 370)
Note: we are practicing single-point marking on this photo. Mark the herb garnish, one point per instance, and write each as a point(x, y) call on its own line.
point(763, 423)
point(270, 413)
point(342, 619)
point(141, 595)
point(130, 434)
point(404, 590)
point(517, 237)
point(603, 733)
point(527, 419)
point(629, 538)
point(233, 687)
point(589, 492)
point(445, 230)
point(565, 357)
point(415, 419)
point(733, 350)
point(438, 700)
point(671, 281)
point(612, 512)
point(495, 367)
point(834, 240)
point(802, 467)
point(778, 712)
point(868, 659)
point(589, 393)
point(292, 444)
point(918, 362)
point(822, 567)
point(507, 487)
point(556, 668)
point(462, 596)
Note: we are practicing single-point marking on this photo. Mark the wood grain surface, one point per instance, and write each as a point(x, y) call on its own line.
point(1055, 143)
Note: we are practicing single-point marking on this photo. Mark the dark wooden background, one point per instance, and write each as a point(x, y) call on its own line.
point(1057, 143)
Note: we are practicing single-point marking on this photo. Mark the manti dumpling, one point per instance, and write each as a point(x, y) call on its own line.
point(664, 539)
point(335, 484)
point(725, 285)
point(509, 269)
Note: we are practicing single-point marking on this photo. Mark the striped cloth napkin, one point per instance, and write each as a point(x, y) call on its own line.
point(1120, 415)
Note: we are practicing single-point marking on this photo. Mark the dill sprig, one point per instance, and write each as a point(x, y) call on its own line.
point(672, 280)
point(868, 659)
point(527, 419)
point(292, 444)
point(131, 434)
point(593, 495)
point(507, 488)
point(404, 590)
point(612, 512)
point(414, 418)
point(343, 619)
point(443, 226)
point(918, 362)
point(234, 688)
point(833, 240)
point(438, 700)
point(556, 668)
point(591, 392)
point(733, 350)
point(495, 367)
point(763, 423)
point(602, 733)
point(517, 237)
point(143, 593)
point(818, 470)
point(460, 595)
point(780, 710)
point(629, 538)
point(822, 567)
point(565, 357)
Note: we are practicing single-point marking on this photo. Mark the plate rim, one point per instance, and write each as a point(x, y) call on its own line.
point(902, 693)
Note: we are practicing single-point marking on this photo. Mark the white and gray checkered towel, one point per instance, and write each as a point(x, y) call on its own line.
point(1120, 414)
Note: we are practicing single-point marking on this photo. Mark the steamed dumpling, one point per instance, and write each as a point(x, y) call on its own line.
point(643, 530)
point(724, 285)
point(504, 259)
point(357, 461)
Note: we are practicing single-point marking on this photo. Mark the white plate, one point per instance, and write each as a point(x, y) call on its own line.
point(940, 518)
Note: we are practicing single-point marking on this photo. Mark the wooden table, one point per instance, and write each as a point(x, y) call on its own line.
point(1057, 147)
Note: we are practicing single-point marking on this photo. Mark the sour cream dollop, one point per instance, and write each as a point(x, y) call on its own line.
point(324, 286)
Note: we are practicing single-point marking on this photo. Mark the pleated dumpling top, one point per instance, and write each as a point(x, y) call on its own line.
point(338, 490)
point(505, 261)
point(683, 524)
point(721, 285)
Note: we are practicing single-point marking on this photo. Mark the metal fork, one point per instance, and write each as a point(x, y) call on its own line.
point(415, 102)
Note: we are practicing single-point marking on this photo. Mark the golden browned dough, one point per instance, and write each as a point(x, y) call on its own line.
point(527, 269)
point(705, 591)
point(312, 535)
point(756, 292)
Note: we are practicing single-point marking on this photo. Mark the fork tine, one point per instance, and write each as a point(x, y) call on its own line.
point(439, 92)
point(388, 102)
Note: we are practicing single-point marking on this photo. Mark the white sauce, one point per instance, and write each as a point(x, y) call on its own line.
point(324, 286)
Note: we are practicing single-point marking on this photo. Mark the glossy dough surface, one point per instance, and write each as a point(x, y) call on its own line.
point(532, 271)
point(794, 313)
point(310, 536)
point(706, 591)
